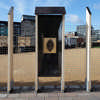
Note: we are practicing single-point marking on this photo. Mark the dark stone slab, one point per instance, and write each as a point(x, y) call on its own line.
point(50, 10)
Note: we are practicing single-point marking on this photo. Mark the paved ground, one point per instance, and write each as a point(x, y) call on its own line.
point(52, 96)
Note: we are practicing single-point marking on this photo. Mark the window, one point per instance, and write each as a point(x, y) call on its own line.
point(2, 24)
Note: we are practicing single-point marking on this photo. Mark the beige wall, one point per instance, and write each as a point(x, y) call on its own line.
point(74, 66)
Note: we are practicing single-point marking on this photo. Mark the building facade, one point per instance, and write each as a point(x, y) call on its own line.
point(3, 28)
point(81, 30)
point(17, 32)
point(25, 28)
point(95, 35)
point(28, 28)
point(4, 35)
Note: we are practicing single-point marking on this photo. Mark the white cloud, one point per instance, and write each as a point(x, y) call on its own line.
point(74, 19)
point(96, 6)
point(22, 5)
point(54, 2)
point(28, 6)
point(19, 5)
point(4, 6)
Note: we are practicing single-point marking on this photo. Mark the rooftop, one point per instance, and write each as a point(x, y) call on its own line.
point(27, 17)
point(50, 10)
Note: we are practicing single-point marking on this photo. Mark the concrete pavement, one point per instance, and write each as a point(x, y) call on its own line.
point(52, 96)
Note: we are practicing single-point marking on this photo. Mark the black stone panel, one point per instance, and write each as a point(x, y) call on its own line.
point(50, 10)
point(48, 64)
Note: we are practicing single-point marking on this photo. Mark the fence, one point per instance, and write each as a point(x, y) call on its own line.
point(75, 57)
point(24, 63)
point(95, 56)
point(3, 64)
point(74, 60)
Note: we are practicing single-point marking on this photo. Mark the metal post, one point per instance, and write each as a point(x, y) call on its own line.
point(62, 74)
point(88, 48)
point(10, 50)
point(36, 67)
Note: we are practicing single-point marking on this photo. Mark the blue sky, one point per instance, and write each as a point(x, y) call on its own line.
point(75, 10)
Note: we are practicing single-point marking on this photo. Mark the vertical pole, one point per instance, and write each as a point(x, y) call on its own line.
point(36, 44)
point(10, 50)
point(88, 48)
point(62, 73)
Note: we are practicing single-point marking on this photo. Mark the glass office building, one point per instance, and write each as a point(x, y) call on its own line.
point(3, 28)
point(25, 28)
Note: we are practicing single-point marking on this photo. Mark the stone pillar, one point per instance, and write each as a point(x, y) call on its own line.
point(62, 67)
point(10, 50)
point(36, 48)
point(88, 49)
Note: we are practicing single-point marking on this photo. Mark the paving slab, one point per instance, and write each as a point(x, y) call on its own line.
point(72, 94)
point(27, 94)
point(97, 94)
point(65, 98)
point(27, 98)
point(52, 98)
point(14, 95)
point(48, 94)
point(86, 98)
